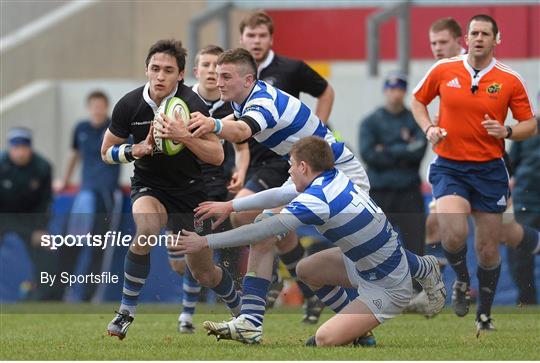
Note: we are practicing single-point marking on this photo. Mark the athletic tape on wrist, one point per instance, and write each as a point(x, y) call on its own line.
point(218, 126)
point(119, 154)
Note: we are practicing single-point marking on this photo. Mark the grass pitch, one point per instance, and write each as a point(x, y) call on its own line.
point(64, 332)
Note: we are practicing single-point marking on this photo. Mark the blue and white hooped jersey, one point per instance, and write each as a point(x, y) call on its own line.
point(349, 218)
point(284, 119)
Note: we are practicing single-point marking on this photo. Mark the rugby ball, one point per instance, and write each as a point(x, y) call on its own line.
point(169, 107)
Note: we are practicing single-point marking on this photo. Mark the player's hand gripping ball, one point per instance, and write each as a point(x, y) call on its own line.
point(172, 105)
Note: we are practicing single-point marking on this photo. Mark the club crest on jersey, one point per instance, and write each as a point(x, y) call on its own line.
point(494, 88)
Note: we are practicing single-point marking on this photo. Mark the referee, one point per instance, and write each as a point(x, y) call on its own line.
point(469, 176)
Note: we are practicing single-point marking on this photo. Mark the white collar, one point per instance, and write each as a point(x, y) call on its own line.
point(212, 106)
point(475, 79)
point(266, 62)
point(151, 103)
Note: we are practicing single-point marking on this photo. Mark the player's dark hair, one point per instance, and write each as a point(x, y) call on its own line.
point(239, 56)
point(487, 19)
point(209, 49)
point(449, 24)
point(315, 151)
point(255, 19)
point(171, 47)
point(97, 95)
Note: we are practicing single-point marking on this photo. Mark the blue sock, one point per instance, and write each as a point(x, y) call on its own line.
point(335, 297)
point(487, 285)
point(136, 269)
point(458, 262)
point(255, 290)
point(418, 266)
point(190, 296)
point(226, 291)
point(531, 240)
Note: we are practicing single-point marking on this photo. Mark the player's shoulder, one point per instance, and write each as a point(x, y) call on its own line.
point(282, 61)
point(132, 97)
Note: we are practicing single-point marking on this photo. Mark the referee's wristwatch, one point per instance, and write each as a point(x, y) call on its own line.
point(509, 132)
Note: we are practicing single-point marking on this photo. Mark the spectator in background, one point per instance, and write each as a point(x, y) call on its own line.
point(99, 193)
point(525, 156)
point(25, 198)
point(392, 146)
point(445, 38)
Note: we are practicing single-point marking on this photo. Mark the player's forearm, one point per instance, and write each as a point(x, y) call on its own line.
point(249, 234)
point(524, 129)
point(421, 114)
point(324, 104)
point(207, 149)
point(266, 199)
point(235, 131)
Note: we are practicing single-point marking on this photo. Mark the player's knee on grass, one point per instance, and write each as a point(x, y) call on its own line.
point(323, 340)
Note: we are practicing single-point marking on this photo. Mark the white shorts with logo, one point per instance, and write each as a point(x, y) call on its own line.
point(384, 302)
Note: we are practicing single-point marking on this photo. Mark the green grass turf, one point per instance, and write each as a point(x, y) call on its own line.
point(77, 332)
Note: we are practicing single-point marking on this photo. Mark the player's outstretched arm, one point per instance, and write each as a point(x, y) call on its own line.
point(266, 199)
point(250, 234)
point(230, 130)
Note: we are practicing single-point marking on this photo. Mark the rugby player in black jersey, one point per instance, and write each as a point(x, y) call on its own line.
point(164, 189)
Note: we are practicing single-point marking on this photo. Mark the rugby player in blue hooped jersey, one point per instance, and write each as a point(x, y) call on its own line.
point(368, 256)
point(277, 120)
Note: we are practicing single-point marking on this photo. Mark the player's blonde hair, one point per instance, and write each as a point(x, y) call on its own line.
point(209, 49)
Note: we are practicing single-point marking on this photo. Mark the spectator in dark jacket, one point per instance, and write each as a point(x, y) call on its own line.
point(392, 146)
point(25, 198)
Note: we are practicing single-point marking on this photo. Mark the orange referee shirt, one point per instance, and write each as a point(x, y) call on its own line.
point(461, 111)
